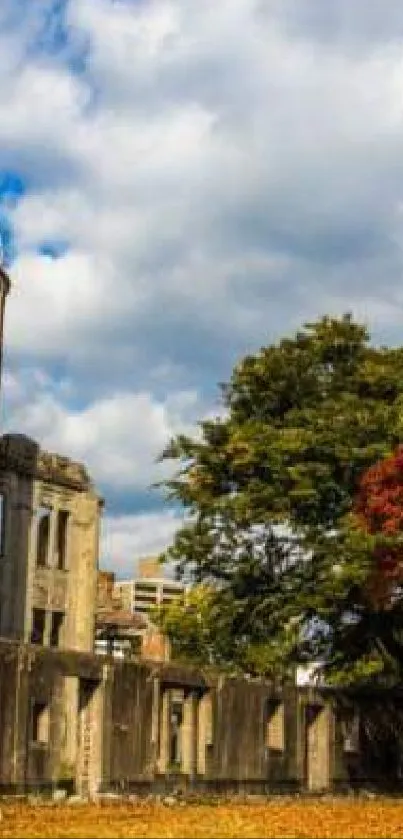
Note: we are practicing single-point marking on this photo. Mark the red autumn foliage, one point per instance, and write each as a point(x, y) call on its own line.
point(379, 501)
point(379, 509)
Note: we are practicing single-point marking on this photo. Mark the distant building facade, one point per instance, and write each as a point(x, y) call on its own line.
point(148, 589)
point(122, 633)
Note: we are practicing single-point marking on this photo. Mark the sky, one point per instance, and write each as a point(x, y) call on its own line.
point(181, 183)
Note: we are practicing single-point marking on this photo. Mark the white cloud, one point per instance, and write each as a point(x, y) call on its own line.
point(119, 437)
point(125, 539)
point(64, 304)
point(217, 173)
point(206, 146)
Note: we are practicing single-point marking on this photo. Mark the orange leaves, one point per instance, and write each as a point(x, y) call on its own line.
point(275, 818)
point(379, 501)
point(378, 506)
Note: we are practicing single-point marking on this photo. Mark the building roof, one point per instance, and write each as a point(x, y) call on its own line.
point(120, 619)
point(22, 454)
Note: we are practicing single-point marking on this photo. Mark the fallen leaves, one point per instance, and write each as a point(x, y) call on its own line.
point(294, 818)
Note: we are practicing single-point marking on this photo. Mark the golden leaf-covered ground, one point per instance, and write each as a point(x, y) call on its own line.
point(276, 818)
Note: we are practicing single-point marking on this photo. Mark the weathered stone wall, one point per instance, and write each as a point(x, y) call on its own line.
point(376, 756)
point(9, 676)
point(17, 506)
point(34, 752)
point(241, 749)
point(83, 572)
point(128, 726)
point(32, 480)
point(74, 717)
point(239, 724)
point(235, 749)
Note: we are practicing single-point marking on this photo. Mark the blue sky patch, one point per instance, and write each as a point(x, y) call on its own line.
point(12, 186)
point(54, 249)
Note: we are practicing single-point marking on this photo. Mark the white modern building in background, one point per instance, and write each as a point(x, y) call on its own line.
point(310, 674)
point(148, 589)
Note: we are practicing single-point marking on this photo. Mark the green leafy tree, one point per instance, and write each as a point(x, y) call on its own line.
point(189, 621)
point(269, 490)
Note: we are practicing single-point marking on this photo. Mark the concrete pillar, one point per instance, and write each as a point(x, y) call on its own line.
point(155, 711)
point(163, 757)
point(52, 538)
point(68, 543)
point(204, 732)
point(97, 728)
point(317, 747)
point(48, 628)
point(50, 562)
point(189, 734)
point(90, 730)
point(69, 752)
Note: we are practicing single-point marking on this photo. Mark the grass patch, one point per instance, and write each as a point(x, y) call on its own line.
point(341, 818)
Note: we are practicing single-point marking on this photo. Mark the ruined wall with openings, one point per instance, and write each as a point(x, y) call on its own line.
point(49, 538)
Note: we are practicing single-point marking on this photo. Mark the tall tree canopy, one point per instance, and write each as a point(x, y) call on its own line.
point(270, 490)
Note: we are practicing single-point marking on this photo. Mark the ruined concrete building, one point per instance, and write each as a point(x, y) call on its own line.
point(49, 545)
point(91, 722)
point(121, 631)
